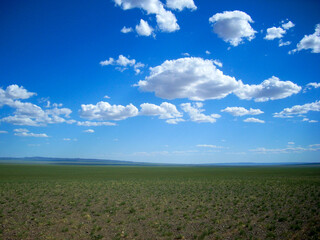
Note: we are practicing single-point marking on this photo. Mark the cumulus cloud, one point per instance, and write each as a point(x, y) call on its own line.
point(105, 111)
point(287, 25)
point(269, 89)
point(274, 32)
point(279, 32)
point(192, 78)
point(253, 120)
point(309, 86)
point(29, 114)
point(89, 131)
point(311, 42)
point(233, 26)
point(195, 113)
point(166, 20)
point(198, 79)
point(241, 111)
point(144, 29)
point(299, 110)
point(126, 30)
point(95, 124)
point(181, 4)
point(164, 111)
point(13, 92)
point(122, 63)
point(208, 52)
point(21, 132)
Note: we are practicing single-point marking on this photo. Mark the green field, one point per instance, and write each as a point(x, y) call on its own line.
point(106, 202)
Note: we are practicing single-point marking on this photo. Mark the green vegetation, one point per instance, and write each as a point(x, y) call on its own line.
point(87, 202)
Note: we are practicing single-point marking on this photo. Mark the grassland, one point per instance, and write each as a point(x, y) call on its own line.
point(86, 202)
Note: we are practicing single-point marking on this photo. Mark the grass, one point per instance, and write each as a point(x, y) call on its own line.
point(87, 202)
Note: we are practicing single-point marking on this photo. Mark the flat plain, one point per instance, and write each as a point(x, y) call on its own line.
point(110, 202)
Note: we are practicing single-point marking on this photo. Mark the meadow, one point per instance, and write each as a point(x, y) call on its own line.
point(110, 202)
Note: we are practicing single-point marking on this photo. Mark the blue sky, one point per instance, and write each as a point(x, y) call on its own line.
point(161, 81)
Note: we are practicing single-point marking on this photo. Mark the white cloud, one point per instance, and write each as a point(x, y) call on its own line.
point(241, 111)
point(209, 146)
point(281, 43)
point(32, 115)
point(192, 78)
point(269, 89)
point(106, 97)
point(208, 52)
point(126, 30)
point(289, 149)
point(274, 32)
point(3, 132)
point(21, 132)
point(105, 111)
point(309, 86)
point(13, 92)
point(66, 139)
point(181, 4)
point(122, 63)
point(311, 42)
point(195, 113)
point(95, 124)
point(164, 111)
point(174, 120)
point(167, 21)
point(313, 121)
point(233, 26)
point(89, 131)
point(298, 110)
point(288, 25)
point(143, 28)
point(291, 143)
point(186, 54)
point(217, 63)
point(107, 62)
point(253, 120)
point(198, 79)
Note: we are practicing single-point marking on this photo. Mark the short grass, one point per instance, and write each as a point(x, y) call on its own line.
point(86, 202)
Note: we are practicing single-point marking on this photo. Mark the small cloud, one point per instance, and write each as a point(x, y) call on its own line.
point(217, 63)
point(185, 54)
point(209, 146)
point(106, 96)
point(144, 29)
point(22, 132)
point(208, 52)
point(291, 143)
point(233, 26)
point(89, 131)
point(281, 43)
point(288, 25)
point(126, 30)
point(3, 132)
point(310, 86)
point(66, 139)
point(253, 120)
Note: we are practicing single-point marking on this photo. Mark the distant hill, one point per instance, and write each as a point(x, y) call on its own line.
point(88, 161)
